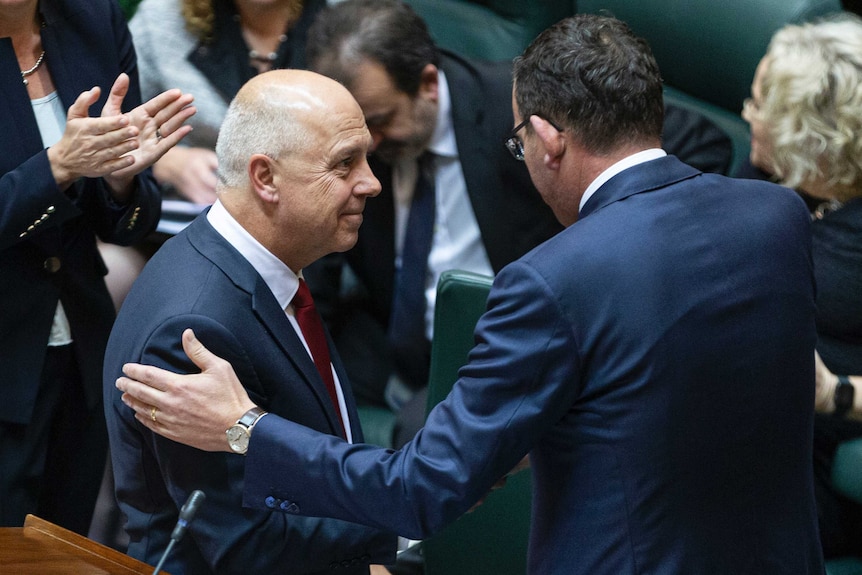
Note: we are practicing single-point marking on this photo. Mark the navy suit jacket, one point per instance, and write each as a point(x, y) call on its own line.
point(656, 361)
point(47, 236)
point(198, 280)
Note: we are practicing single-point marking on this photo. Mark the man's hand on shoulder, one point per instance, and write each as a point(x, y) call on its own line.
point(193, 409)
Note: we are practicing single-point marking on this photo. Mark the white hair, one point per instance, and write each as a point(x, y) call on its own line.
point(262, 123)
point(812, 102)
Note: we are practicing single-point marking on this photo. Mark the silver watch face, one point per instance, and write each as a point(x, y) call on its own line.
point(237, 438)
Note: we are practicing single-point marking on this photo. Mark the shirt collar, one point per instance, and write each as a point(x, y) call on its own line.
point(279, 278)
point(443, 139)
point(624, 164)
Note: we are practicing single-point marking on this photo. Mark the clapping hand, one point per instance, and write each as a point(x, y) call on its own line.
point(118, 146)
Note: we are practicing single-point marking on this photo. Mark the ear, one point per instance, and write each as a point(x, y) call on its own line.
point(428, 83)
point(261, 174)
point(552, 140)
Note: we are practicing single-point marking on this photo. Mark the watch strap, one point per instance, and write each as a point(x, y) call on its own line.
point(250, 417)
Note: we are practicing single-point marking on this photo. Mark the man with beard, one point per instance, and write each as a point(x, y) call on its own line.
point(473, 208)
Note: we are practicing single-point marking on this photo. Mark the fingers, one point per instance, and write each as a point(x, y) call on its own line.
point(151, 416)
point(167, 112)
point(170, 127)
point(198, 353)
point(114, 104)
point(156, 104)
point(81, 107)
point(144, 381)
point(171, 139)
point(174, 114)
point(78, 117)
point(91, 147)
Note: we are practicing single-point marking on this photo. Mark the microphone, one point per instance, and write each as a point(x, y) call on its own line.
point(187, 513)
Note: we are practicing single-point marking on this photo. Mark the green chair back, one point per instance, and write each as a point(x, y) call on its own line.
point(491, 540)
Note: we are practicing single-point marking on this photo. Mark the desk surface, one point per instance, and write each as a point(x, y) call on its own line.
point(43, 548)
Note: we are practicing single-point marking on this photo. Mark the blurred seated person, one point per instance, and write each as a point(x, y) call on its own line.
point(436, 115)
point(805, 113)
point(211, 48)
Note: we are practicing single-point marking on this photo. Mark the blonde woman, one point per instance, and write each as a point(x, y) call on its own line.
point(805, 113)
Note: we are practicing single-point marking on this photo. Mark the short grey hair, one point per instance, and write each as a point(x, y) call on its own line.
point(260, 123)
point(811, 101)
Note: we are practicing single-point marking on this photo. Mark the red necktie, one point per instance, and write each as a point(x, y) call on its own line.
point(312, 329)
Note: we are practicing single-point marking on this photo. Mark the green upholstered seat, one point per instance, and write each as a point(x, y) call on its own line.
point(847, 478)
point(378, 424)
point(492, 540)
point(847, 470)
point(844, 566)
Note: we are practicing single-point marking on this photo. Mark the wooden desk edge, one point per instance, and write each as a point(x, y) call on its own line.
point(38, 527)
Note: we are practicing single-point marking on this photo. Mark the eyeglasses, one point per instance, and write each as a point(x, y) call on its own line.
point(515, 144)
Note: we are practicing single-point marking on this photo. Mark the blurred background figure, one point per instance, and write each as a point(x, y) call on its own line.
point(210, 48)
point(805, 113)
point(66, 178)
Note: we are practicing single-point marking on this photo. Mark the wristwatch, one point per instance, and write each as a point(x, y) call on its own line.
point(239, 433)
point(844, 393)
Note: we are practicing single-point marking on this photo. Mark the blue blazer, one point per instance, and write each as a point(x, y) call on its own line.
point(47, 237)
point(656, 361)
point(198, 280)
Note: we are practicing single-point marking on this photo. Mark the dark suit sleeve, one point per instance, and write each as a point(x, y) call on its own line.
point(520, 379)
point(26, 194)
point(230, 538)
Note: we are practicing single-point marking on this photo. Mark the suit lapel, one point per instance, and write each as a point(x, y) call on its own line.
point(266, 309)
point(641, 178)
